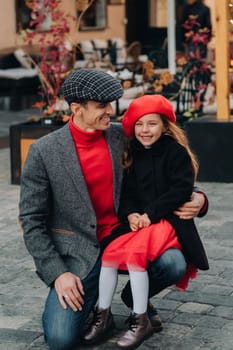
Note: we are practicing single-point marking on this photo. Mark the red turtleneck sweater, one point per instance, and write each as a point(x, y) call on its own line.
point(96, 164)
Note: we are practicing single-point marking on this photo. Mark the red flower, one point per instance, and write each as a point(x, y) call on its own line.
point(52, 46)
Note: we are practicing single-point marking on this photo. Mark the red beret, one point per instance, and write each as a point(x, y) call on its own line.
point(146, 104)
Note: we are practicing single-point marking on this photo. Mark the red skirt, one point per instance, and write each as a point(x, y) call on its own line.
point(136, 249)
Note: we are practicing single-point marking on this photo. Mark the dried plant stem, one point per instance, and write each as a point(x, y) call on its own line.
point(44, 81)
point(82, 13)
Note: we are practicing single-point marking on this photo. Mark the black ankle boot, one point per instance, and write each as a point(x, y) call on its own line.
point(154, 318)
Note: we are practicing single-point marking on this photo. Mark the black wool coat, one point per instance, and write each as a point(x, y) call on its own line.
point(159, 181)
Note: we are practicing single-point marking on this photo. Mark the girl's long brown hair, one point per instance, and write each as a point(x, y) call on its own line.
point(176, 133)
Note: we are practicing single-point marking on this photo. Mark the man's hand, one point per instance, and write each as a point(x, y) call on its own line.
point(69, 289)
point(191, 209)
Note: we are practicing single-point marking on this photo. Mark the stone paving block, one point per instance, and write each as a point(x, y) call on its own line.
point(223, 311)
point(212, 334)
point(39, 344)
point(217, 289)
point(34, 291)
point(167, 304)
point(29, 306)
point(4, 346)
point(163, 293)
point(9, 273)
point(17, 336)
point(184, 344)
point(228, 327)
point(197, 285)
point(227, 274)
point(212, 322)
point(165, 315)
point(186, 319)
point(199, 297)
point(219, 253)
point(177, 330)
point(191, 307)
point(217, 346)
point(217, 268)
point(34, 324)
point(12, 322)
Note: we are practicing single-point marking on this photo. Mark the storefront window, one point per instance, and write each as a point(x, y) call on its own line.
point(95, 17)
point(23, 14)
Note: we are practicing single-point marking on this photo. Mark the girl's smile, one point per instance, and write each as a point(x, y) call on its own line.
point(148, 129)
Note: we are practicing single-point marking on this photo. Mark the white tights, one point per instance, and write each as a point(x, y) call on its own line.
point(139, 284)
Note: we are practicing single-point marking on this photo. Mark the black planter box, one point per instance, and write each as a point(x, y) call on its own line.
point(212, 141)
point(21, 136)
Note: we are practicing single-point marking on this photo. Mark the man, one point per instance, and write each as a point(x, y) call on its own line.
point(197, 28)
point(70, 188)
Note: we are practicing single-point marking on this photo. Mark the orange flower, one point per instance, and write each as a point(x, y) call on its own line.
point(158, 87)
point(38, 104)
point(65, 118)
point(127, 84)
point(50, 110)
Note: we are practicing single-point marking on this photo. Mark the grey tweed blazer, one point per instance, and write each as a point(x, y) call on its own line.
point(55, 209)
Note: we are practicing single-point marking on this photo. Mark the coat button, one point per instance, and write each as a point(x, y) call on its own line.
point(92, 226)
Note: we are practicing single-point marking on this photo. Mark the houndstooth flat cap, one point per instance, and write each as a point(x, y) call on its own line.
point(91, 85)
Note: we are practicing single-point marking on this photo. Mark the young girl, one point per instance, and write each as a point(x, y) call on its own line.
point(160, 170)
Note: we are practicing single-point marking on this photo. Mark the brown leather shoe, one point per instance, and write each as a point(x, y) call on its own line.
point(139, 329)
point(154, 318)
point(101, 325)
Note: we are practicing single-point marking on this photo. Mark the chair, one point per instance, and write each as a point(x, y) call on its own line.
point(126, 57)
point(18, 80)
point(96, 55)
point(134, 59)
point(159, 56)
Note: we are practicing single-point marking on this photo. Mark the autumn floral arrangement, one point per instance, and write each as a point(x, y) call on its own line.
point(160, 83)
point(187, 87)
point(196, 38)
point(56, 56)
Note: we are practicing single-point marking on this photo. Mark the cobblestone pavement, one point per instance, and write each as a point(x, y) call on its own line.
point(201, 318)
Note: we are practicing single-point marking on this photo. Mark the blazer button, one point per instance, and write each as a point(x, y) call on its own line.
point(92, 226)
point(96, 245)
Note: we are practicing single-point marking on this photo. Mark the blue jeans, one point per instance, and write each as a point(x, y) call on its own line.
point(163, 272)
point(63, 328)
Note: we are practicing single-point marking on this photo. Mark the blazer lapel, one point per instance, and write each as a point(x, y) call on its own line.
point(115, 148)
point(67, 152)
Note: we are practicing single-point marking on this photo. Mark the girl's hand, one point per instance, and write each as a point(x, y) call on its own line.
point(137, 221)
point(133, 221)
point(144, 221)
